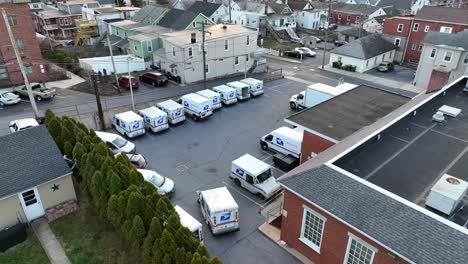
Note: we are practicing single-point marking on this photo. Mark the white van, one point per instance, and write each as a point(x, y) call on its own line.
point(213, 96)
point(284, 140)
point(219, 209)
point(228, 94)
point(255, 176)
point(190, 222)
point(116, 143)
point(174, 111)
point(256, 86)
point(129, 124)
point(154, 119)
point(196, 106)
point(242, 90)
point(20, 124)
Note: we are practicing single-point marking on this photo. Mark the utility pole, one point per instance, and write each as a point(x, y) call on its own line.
point(94, 80)
point(326, 34)
point(112, 57)
point(204, 53)
point(20, 63)
point(230, 18)
point(130, 83)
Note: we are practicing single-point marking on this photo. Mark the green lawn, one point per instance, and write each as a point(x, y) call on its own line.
point(30, 251)
point(87, 239)
point(273, 44)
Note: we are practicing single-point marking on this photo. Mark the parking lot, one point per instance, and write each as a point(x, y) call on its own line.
point(399, 74)
point(198, 155)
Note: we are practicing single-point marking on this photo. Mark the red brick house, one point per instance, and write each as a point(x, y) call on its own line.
point(23, 30)
point(362, 200)
point(429, 18)
point(350, 14)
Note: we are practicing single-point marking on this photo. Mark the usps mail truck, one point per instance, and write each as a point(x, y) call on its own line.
point(196, 106)
point(255, 176)
point(242, 90)
point(284, 140)
point(213, 96)
point(190, 222)
point(228, 94)
point(174, 111)
point(129, 124)
point(219, 209)
point(256, 86)
point(154, 119)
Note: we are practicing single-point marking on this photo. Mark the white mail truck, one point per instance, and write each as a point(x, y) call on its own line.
point(154, 119)
point(242, 90)
point(228, 94)
point(213, 96)
point(256, 86)
point(190, 222)
point(219, 209)
point(196, 106)
point(284, 140)
point(174, 111)
point(129, 124)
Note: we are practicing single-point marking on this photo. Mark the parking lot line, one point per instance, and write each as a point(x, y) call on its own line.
point(266, 95)
point(239, 192)
point(275, 90)
point(224, 110)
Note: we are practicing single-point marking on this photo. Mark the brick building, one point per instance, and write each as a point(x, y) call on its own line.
point(23, 30)
point(350, 14)
point(363, 200)
point(429, 18)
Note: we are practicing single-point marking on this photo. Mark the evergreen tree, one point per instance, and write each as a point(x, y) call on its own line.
point(113, 211)
point(148, 247)
point(68, 149)
point(173, 223)
point(136, 178)
point(196, 259)
point(67, 136)
point(135, 205)
point(148, 189)
point(161, 209)
point(205, 260)
point(55, 129)
point(183, 238)
point(203, 251)
point(95, 188)
point(149, 212)
point(180, 256)
point(125, 229)
point(188, 257)
point(157, 257)
point(114, 183)
point(216, 260)
point(138, 232)
point(155, 228)
point(78, 152)
point(122, 206)
point(168, 258)
point(167, 243)
point(49, 115)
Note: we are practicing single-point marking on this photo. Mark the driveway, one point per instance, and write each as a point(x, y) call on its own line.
point(399, 74)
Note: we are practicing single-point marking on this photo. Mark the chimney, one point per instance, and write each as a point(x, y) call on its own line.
point(193, 38)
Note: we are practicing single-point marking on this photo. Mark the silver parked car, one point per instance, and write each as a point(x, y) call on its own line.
point(38, 90)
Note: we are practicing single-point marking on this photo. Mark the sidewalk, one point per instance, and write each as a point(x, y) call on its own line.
point(49, 242)
point(376, 79)
point(64, 84)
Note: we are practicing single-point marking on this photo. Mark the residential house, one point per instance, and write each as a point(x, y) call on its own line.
point(429, 18)
point(177, 19)
point(145, 42)
point(34, 178)
point(351, 34)
point(228, 50)
point(22, 28)
point(359, 2)
point(120, 31)
point(59, 23)
point(102, 14)
point(396, 30)
point(307, 15)
point(365, 53)
point(347, 14)
point(218, 13)
point(445, 59)
point(363, 200)
point(375, 24)
point(279, 16)
point(404, 6)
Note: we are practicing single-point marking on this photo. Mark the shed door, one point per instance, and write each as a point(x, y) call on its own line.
point(31, 204)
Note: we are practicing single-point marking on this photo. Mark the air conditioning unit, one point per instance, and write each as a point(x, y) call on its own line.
point(438, 117)
point(450, 111)
point(447, 194)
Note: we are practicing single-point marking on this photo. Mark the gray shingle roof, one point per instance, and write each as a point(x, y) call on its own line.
point(411, 233)
point(29, 158)
point(297, 5)
point(443, 14)
point(278, 8)
point(149, 15)
point(177, 19)
point(357, 9)
point(355, 32)
point(399, 4)
point(457, 40)
point(365, 48)
point(204, 7)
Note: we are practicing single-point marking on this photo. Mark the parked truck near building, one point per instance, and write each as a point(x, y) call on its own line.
point(242, 90)
point(219, 209)
point(228, 94)
point(255, 86)
point(154, 119)
point(284, 140)
point(215, 97)
point(129, 124)
point(174, 111)
point(317, 93)
point(196, 106)
point(190, 222)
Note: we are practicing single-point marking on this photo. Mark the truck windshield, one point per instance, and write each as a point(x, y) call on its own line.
point(119, 142)
point(264, 176)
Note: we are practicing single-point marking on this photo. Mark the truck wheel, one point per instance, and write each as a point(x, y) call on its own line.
point(237, 182)
point(153, 83)
point(195, 118)
point(2, 104)
point(293, 105)
point(38, 98)
point(261, 196)
point(209, 228)
point(264, 146)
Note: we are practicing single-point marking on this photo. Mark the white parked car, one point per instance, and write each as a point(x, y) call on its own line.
point(164, 185)
point(306, 51)
point(20, 124)
point(8, 98)
point(116, 143)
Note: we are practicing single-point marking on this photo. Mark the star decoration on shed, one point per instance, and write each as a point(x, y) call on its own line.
point(55, 187)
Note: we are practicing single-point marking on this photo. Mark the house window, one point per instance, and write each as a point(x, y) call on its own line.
point(207, 70)
point(248, 40)
point(465, 60)
point(357, 18)
point(13, 20)
point(149, 47)
point(400, 27)
point(236, 60)
point(446, 29)
point(433, 53)
point(3, 73)
point(173, 52)
point(448, 56)
point(416, 27)
point(397, 42)
point(190, 51)
point(413, 47)
point(20, 44)
point(426, 28)
point(226, 44)
point(312, 228)
point(420, 47)
point(339, 16)
point(247, 58)
point(194, 24)
point(348, 18)
point(367, 63)
point(359, 251)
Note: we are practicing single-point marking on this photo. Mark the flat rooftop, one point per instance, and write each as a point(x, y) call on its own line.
point(342, 115)
point(412, 154)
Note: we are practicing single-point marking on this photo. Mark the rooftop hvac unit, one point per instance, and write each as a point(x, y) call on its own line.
point(438, 117)
point(450, 111)
point(446, 194)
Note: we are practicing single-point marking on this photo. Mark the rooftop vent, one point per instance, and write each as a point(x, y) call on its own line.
point(450, 111)
point(438, 117)
point(446, 194)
